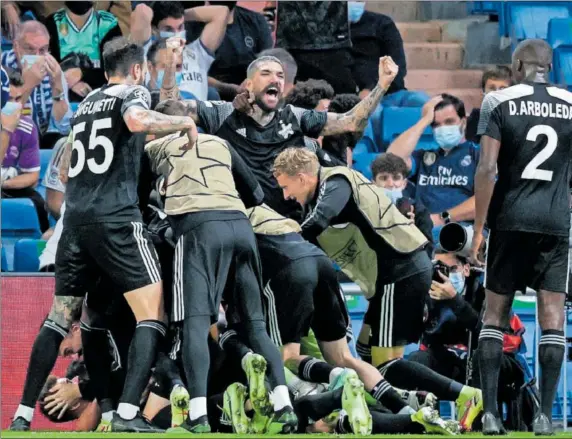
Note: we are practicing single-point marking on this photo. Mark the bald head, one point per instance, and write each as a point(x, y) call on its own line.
point(531, 59)
point(31, 27)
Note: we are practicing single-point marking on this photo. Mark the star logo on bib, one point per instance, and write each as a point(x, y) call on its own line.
point(286, 130)
point(204, 162)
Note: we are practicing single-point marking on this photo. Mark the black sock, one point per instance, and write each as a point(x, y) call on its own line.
point(167, 372)
point(384, 423)
point(490, 358)
point(42, 360)
point(314, 370)
point(142, 355)
point(261, 343)
point(196, 358)
point(408, 375)
point(364, 351)
point(97, 359)
point(232, 345)
point(218, 420)
point(388, 396)
point(316, 407)
point(551, 350)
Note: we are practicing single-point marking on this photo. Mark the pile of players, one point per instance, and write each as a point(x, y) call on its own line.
point(224, 220)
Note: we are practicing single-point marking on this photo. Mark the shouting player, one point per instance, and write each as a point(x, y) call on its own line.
point(103, 229)
point(526, 135)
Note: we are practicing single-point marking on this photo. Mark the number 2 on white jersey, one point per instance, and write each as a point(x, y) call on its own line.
point(531, 172)
point(94, 142)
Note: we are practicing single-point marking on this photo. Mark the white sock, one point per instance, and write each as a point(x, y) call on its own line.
point(281, 398)
point(107, 416)
point(24, 412)
point(127, 411)
point(198, 408)
point(243, 361)
point(336, 371)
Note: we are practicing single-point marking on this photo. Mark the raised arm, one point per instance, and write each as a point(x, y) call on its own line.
point(215, 19)
point(355, 120)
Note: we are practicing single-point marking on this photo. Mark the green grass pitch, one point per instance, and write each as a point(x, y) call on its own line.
point(54, 435)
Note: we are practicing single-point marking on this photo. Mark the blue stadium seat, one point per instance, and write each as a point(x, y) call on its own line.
point(559, 32)
point(74, 106)
point(396, 120)
point(4, 263)
point(485, 8)
point(41, 190)
point(362, 163)
point(45, 155)
point(19, 218)
point(27, 255)
point(562, 65)
point(530, 19)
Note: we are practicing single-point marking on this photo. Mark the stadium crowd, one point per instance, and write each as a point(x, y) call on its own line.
point(230, 317)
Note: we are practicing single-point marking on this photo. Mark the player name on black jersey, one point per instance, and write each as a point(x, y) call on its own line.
point(540, 109)
point(92, 107)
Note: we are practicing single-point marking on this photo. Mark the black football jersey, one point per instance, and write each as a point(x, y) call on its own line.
point(106, 158)
point(533, 123)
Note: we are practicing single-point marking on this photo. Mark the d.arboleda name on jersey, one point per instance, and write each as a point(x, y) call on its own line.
point(540, 109)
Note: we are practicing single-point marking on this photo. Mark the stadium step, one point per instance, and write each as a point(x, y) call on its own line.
point(399, 11)
point(429, 32)
point(443, 56)
point(418, 79)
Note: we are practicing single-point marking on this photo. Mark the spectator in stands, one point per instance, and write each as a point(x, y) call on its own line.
point(317, 34)
point(45, 90)
point(390, 172)
point(341, 146)
point(5, 87)
point(21, 164)
point(444, 178)
point(494, 79)
point(247, 34)
point(374, 35)
point(167, 19)
point(313, 94)
point(289, 65)
point(157, 61)
point(79, 28)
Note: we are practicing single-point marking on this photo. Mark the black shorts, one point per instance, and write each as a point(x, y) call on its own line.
point(122, 252)
point(395, 313)
point(216, 260)
point(516, 260)
point(302, 295)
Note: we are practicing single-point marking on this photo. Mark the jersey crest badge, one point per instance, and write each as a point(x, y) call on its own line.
point(286, 130)
point(466, 161)
point(429, 158)
point(63, 29)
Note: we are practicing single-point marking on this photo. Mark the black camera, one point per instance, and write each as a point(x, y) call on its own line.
point(439, 267)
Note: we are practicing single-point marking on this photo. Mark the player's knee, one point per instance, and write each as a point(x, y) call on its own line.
point(147, 303)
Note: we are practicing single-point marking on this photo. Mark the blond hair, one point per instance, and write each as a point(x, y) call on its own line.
point(293, 161)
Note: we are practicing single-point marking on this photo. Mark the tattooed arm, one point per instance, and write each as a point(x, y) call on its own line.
point(66, 159)
point(65, 310)
point(355, 120)
point(141, 120)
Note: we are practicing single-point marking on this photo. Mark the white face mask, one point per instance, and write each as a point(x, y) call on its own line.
point(448, 136)
point(458, 281)
point(393, 194)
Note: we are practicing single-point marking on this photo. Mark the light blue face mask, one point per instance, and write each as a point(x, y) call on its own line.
point(458, 282)
point(168, 34)
point(448, 136)
point(393, 194)
point(161, 75)
point(29, 60)
point(355, 11)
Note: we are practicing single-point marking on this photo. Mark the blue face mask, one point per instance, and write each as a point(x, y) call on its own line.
point(29, 60)
point(161, 75)
point(448, 136)
point(458, 281)
point(355, 11)
point(393, 194)
point(168, 34)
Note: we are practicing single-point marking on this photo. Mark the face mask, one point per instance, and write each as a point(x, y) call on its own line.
point(355, 11)
point(169, 34)
point(448, 136)
point(29, 60)
point(79, 8)
point(394, 194)
point(458, 281)
point(161, 75)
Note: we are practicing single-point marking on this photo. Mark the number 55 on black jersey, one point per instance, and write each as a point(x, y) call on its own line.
point(533, 123)
point(106, 157)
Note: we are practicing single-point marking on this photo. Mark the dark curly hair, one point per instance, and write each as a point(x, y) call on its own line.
point(390, 163)
point(307, 94)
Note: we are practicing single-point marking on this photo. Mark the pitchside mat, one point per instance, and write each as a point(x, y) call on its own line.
point(53, 434)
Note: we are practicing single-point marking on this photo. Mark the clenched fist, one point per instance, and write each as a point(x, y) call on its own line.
point(387, 71)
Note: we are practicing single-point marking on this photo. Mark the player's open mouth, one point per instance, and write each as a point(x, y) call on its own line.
point(272, 93)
